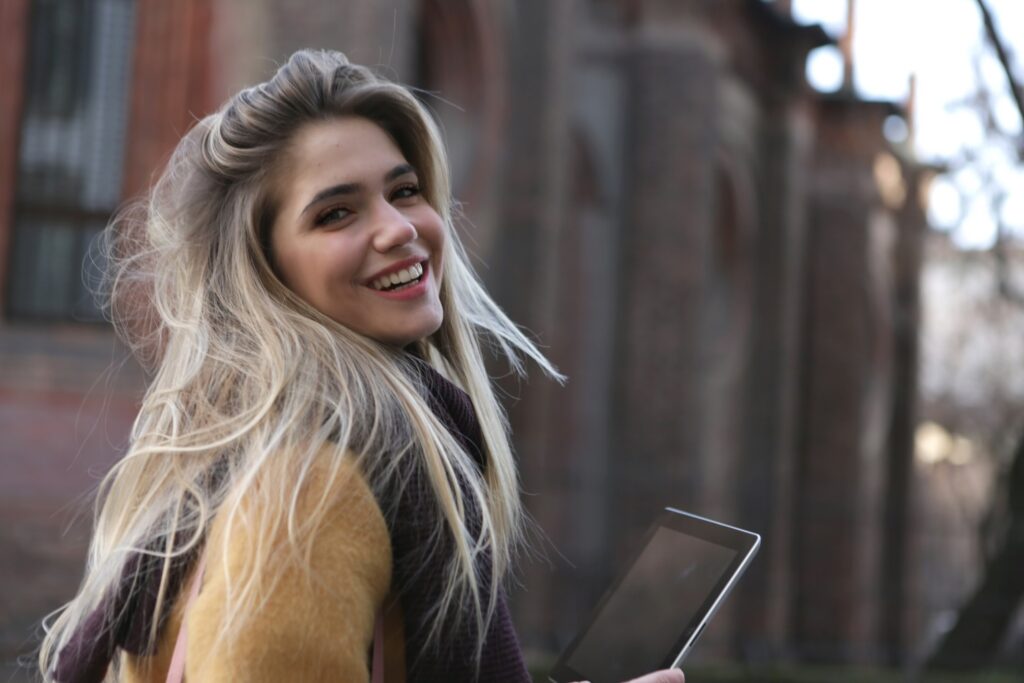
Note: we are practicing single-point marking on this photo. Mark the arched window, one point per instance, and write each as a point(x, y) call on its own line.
point(731, 269)
point(459, 63)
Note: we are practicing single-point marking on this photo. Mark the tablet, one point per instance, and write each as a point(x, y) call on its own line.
point(654, 612)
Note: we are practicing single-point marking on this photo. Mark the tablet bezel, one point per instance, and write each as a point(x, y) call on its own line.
point(745, 543)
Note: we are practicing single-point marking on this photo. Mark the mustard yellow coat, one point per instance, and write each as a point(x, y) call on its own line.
point(313, 627)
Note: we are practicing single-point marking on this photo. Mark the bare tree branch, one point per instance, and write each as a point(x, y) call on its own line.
point(1004, 60)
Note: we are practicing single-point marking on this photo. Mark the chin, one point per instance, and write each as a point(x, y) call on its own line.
point(411, 335)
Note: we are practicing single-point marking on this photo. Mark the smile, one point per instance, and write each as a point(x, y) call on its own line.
point(409, 284)
point(405, 278)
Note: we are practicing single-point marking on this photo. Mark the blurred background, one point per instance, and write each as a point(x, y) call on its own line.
point(776, 245)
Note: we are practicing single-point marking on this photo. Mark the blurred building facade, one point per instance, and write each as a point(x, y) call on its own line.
point(724, 262)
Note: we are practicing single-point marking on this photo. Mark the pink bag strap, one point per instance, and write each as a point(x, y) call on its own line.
point(377, 673)
point(176, 671)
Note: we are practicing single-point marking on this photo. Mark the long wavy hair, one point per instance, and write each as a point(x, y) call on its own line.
point(249, 383)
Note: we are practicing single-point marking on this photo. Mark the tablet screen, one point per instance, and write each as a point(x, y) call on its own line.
point(665, 589)
point(654, 612)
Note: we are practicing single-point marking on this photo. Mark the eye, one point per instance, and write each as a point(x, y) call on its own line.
point(406, 191)
point(330, 216)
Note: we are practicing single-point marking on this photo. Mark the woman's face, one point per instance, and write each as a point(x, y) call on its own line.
point(354, 236)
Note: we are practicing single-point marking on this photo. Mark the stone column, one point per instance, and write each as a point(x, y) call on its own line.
point(664, 246)
point(524, 273)
point(846, 390)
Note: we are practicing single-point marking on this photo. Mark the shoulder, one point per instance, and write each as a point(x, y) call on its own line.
point(331, 515)
point(310, 610)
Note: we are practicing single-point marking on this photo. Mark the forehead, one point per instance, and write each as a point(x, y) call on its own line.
point(342, 150)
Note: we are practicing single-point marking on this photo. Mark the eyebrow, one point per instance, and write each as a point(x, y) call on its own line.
point(352, 188)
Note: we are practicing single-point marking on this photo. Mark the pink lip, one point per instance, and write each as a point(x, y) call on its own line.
point(417, 290)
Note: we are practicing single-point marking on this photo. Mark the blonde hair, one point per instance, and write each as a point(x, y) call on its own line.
point(245, 371)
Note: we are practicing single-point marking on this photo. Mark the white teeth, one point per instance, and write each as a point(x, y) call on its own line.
point(401, 277)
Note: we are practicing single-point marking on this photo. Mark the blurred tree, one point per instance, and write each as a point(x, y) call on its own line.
point(983, 622)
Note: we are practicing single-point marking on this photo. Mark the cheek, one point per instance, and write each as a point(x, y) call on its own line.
point(336, 261)
point(297, 269)
point(439, 259)
point(301, 274)
point(433, 233)
point(311, 265)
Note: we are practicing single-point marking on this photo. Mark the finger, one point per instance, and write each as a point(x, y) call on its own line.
point(665, 676)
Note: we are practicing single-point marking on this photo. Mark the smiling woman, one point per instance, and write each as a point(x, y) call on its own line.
point(367, 249)
point(319, 468)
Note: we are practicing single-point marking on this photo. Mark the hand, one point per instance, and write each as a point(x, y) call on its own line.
point(663, 676)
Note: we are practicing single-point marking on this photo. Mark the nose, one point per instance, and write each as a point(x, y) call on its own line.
point(391, 228)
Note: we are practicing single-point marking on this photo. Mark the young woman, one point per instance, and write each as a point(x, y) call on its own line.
point(320, 468)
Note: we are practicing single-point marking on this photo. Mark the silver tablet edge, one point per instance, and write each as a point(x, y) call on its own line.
point(721, 596)
point(725, 591)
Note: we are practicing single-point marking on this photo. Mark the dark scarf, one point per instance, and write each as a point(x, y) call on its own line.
point(123, 618)
point(420, 576)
